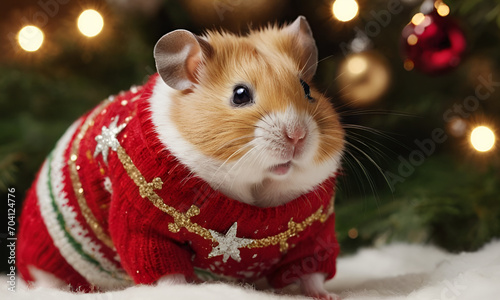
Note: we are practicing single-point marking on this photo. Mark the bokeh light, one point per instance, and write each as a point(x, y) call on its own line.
point(409, 64)
point(90, 23)
point(357, 64)
point(442, 9)
point(30, 38)
point(417, 19)
point(457, 127)
point(412, 39)
point(482, 138)
point(345, 10)
point(363, 77)
point(353, 233)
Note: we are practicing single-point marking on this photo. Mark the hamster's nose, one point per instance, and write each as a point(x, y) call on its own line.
point(296, 134)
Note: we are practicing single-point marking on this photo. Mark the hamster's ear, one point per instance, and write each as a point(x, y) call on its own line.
point(178, 55)
point(306, 50)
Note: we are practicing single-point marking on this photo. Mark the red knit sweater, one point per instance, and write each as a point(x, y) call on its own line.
point(111, 205)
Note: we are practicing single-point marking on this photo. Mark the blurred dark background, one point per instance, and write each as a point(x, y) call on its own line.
point(409, 99)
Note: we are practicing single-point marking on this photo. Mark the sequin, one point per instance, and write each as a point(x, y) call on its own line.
point(228, 244)
point(107, 139)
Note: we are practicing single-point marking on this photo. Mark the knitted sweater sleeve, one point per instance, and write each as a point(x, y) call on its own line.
point(317, 254)
point(147, 253)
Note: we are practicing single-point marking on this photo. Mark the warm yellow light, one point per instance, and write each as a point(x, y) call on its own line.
point(30, 38)
point(90, 23)
point(408, 64)
point(345, 10)
point(482, 138)
point(412, 40)
point(417, 19)
point(357, 65)
point(352, 233)
point(443, 10)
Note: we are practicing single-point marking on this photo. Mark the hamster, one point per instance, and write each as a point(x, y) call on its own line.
point(221, 167)
point(285, 138)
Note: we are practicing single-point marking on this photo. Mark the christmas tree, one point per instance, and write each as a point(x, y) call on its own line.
point(415, 83)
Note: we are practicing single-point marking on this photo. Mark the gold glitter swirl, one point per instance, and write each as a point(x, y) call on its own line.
point(77, 185)
point(147, 189)
point(293, 229)
point(183, 220)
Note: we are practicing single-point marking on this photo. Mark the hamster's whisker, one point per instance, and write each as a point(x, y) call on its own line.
point(241, 122)
point(328, 154)
point(234, 140)
point(263, 117)
point(233, 154)
point(377, 166)
point(352, 167)
point(332, 141)
point(362, 167)
point(339, 107)
point(370, 159)
point(236, 163)
point(361, 173)
point(254, 159)
point(376, 112)
point(314, 65)
point(242, 159)
point(373, 131)
point(358, 138)
point(345, 87)
point(335, 140)
point(314, 113)
point(371, 183)
point(257, 159)
point(188, 177)
point(323, 119)
point(227, 160)
point(272, 133)
point(334, 80)
point(310, 119)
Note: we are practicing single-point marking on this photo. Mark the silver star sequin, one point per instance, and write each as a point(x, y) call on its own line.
point(228, 244)
point(107, 185)
point(107, 139)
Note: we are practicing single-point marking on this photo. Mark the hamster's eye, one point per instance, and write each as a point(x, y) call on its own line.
point(242, 96)
point(307, 90)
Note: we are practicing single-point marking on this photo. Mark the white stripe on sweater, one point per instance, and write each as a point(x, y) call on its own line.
point(93, 273)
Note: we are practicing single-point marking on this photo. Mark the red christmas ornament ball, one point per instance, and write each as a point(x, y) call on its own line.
point(433, 44)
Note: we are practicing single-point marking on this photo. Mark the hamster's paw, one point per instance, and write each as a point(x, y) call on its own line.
point(322, 295)
point(326, 297)
point(172, 279)
point(312, 286)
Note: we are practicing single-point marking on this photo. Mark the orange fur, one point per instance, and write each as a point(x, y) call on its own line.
point(268, 62)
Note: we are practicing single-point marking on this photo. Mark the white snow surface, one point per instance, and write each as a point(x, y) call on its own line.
point(397, 271)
